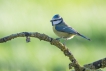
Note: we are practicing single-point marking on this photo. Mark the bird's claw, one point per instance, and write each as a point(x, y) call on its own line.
point(58, 39)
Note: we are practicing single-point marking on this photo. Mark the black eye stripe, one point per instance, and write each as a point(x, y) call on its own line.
point(56, 20)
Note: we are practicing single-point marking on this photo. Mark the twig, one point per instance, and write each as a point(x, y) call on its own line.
point(56, 43)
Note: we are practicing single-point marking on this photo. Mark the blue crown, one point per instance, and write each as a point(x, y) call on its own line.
point(57, 16)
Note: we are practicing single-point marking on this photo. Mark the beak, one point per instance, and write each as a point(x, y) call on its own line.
point(51, 20)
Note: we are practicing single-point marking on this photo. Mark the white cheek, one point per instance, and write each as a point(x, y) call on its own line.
point(56, 22)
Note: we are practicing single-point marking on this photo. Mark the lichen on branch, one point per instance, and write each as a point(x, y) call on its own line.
point(62, 47)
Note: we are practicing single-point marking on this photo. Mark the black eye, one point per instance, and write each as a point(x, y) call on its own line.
point(54, 20)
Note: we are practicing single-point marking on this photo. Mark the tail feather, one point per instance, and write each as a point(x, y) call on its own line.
point(83, 36)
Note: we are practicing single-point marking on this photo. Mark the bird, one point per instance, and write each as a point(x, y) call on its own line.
point(63, 30)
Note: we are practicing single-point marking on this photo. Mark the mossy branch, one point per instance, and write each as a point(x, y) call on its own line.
point(89, 67)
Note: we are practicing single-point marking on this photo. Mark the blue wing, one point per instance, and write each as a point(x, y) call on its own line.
point(65, 29)
point(69, 30)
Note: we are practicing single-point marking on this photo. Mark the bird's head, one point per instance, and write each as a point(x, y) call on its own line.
point(56, 19)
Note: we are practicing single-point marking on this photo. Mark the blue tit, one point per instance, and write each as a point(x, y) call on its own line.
point(62, 30)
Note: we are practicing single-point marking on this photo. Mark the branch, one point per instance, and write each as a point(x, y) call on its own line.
point(97, 64)
point(56, 43)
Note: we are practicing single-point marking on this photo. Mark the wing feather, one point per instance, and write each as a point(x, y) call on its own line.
point(65, 29)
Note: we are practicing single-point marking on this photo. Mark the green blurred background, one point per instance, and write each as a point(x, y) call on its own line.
point(86, 16)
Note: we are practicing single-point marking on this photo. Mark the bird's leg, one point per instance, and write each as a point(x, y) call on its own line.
point(58, 39)
point(62, 42)
point(65, 41)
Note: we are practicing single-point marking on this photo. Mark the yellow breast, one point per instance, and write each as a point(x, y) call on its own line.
point(62, 34)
